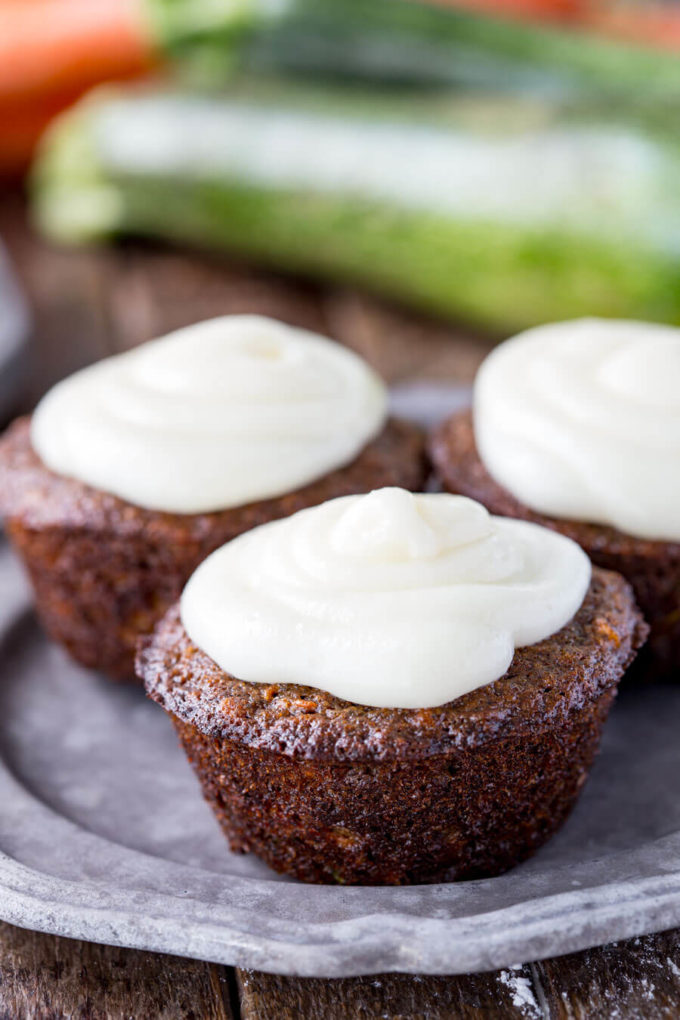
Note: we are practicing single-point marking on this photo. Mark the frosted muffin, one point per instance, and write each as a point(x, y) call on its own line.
point(393, 688)
point(576, 426)
point(131, 471)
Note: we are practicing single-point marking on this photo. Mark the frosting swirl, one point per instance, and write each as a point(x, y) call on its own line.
point(216, 415)
point(581, 420)
point(389, 599)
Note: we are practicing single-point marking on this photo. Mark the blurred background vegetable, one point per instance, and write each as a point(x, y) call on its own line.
point(410, 43)
point(497, 162)
point(497, 210)
point(51, 52)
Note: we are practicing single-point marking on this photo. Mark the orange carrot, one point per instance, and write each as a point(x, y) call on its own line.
point(647, 22)
point(654, 24)
point(51, 51)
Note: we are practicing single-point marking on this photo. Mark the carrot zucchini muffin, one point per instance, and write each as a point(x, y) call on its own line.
point(131, 471)
point(393, 688)
point(576, 426)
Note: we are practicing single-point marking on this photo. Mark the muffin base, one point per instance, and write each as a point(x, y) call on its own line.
point(329, 791)
point(651, 567)
point(434, 819)
point(104, 571)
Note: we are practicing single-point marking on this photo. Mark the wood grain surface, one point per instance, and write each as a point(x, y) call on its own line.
point(90, 303)
point(43, 977)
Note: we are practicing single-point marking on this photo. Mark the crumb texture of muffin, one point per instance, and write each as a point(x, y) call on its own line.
point(651, 566)
point(331, 791)
point(104, 570)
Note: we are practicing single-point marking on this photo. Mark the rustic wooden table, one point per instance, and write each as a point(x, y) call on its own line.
point(90, 303)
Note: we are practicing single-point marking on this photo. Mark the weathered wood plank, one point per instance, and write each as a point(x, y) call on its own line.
point(152, 290)
point(65, 291)
point(47, 978)
point(634, 980)
point(400, 344)
point(504, 994)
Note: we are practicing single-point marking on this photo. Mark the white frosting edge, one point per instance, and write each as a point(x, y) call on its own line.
point(390, 600)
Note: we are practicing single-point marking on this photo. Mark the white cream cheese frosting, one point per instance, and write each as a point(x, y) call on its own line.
point(219, 414)
point(581, 420)
point(388, 599)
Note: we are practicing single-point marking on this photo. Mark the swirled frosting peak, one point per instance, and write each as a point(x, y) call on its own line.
point(389, 599)
point(581, 420)
point(213, 416)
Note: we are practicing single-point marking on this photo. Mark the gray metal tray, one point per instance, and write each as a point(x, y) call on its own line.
point(104, 836)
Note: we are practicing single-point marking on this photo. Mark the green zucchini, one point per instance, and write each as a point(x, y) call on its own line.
point(413, 42)
point(500, 212)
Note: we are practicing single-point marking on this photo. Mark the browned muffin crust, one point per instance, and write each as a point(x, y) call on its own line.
point(330, 791)
point(652, 567)
point(104, 570)
point(471, 814)
point(545, 681)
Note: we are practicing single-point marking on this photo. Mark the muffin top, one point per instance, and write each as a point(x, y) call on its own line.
point(39, 498)
point(454, 452)
point(581, 421)
point(543, 684)
point(214, 416)
point(374, 598)
point(388, 626)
